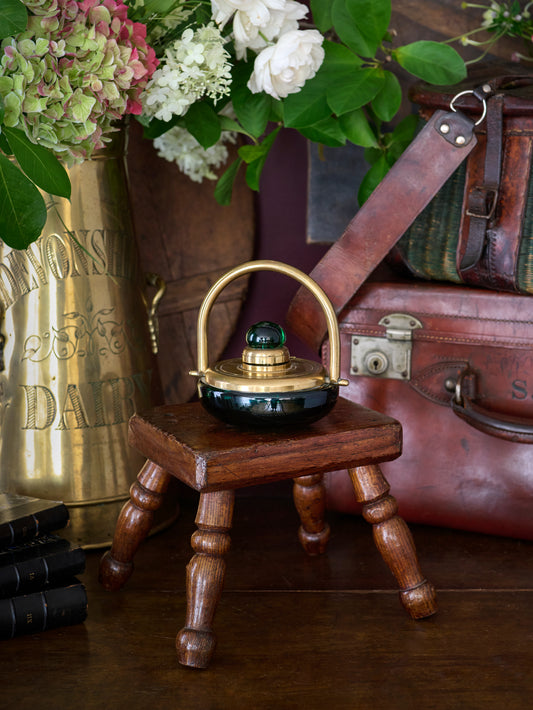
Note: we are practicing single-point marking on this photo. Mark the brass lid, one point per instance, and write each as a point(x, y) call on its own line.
point(266, 366)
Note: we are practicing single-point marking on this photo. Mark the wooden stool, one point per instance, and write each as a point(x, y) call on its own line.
point(214, 458)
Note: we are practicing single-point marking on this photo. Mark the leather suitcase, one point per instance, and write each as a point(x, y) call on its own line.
point(455, 366)
point(453, 363)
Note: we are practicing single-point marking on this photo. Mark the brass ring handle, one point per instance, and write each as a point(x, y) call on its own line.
point(465, 93)
point(269, 265)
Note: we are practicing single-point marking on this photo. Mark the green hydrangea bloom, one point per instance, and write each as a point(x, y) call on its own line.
point(75, 70)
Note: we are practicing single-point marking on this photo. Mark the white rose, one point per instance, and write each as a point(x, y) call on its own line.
point(283, 68)
point(251, 36)
point(257, 10)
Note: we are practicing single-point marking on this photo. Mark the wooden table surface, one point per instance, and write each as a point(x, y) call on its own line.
point(294, 632)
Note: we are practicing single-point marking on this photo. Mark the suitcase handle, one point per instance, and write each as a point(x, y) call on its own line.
point(503, 426)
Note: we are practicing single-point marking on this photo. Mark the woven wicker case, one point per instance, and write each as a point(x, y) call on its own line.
point(435, 244)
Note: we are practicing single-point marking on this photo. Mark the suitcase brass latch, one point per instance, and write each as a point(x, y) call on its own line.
point(389, 356)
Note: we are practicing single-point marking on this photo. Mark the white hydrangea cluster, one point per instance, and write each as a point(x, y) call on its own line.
point(198, 65)
point(178, 146)
point(194, 66)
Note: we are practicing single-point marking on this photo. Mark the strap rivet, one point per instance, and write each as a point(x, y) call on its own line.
point(444, 128)
point(487, 88)
point(460, 140)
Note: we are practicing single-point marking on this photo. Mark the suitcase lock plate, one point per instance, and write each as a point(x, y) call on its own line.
point(389, 356)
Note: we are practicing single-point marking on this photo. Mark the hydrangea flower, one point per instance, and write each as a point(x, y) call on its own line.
point(178, 146)
point(77, 68)
point(195, 66)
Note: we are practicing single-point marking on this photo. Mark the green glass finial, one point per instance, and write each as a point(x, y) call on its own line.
point(265, 335)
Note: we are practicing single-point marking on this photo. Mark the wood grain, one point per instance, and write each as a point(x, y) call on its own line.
point(189, 240)
point(294, 632)
point(208, 455)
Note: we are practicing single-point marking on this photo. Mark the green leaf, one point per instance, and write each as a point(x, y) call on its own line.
point(321, 11)
point(276, 111)
point(357, 128)
point(39, 164)
point(401, 137)
point(338, 58)
point(2, 111)
point(354, 90)
point(372, 179)
point(328, 132)
point(202, 13)
point(202, 121)
point(252, 110)
point(405, 131)
point(13, 18)
point(22, 208)
point(433, 62)
point(4, 145)
point(249, 153)
point(224, 187)
point(387, 101)
point(253, 174)
point(230, 124)
point(349, 30)
point(308, 106)
point(372, 18)
point(156, 127)
point(372, 155)
point(255, 156)
point(158, 7)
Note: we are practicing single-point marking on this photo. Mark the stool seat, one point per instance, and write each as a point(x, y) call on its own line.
point(214, 458)
point(208, 455)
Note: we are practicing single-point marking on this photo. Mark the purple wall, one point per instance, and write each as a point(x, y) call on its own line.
point(280, 235)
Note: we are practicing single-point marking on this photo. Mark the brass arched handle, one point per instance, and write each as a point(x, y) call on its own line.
point(269, 265)
point(151, 308)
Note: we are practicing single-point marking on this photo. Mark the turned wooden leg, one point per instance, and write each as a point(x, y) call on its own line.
point(196, 642)
point(393, 540)
point(133, 525)
point(310, 500)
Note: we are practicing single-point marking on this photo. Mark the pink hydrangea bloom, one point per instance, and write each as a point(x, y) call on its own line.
point(77, 68)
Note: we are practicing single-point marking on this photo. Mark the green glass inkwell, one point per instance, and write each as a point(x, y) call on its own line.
point(267, 387)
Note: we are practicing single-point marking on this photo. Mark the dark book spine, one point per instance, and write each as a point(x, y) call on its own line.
point(29, 526)
point(38, 573)
point(40, 546)
point(33, 613)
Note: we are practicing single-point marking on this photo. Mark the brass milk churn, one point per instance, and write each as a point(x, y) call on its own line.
point(76, 358)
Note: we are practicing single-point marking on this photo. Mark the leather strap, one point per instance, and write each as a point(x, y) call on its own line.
point(482, 199)
point(415, 178)
point(498, 264)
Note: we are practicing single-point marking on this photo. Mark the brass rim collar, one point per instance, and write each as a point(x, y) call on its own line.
point(274, 356)
point(297, 375)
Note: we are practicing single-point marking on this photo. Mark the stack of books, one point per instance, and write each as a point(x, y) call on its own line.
point(38, 585)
